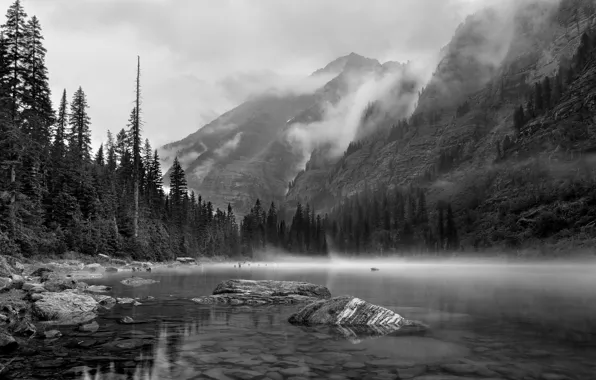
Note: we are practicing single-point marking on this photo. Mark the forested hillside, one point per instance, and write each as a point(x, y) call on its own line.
point(504, 132)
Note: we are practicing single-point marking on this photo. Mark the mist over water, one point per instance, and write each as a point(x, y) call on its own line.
point(512, 315)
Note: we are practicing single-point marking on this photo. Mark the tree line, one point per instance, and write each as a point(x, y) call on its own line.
point(306, 234)
point(391, 219)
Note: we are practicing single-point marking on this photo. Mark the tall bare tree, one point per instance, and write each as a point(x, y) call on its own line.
point(136, 139)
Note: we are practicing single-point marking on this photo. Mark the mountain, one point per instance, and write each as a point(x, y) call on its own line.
point(245, 154)
point(515, 178)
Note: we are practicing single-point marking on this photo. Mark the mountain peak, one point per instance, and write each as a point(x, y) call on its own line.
point(347, 62)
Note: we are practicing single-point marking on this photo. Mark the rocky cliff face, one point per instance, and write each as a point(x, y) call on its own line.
point(494, 175)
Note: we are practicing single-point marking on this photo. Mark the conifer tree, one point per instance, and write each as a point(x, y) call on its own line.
point(79, 141)
point(14, 31)
point(99, 157)
point(38, 113)
point(546, 93)
point(178, 191)
point(58, 143)
point(538, 99)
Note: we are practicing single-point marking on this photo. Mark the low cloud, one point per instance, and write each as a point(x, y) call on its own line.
point(218, 128)
point(188, 158)
point(229, 146)
point(342, 121)
point(201, 171)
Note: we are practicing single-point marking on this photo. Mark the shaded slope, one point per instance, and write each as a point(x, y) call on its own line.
point(456, 156)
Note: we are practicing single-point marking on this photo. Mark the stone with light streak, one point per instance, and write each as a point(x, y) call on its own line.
point(354, 318)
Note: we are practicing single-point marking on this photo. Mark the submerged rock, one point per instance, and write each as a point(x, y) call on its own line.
point(22, 326)
point(353, 318)
point(51, 334)
point(137, 281)
point(7, 342)
point(249, 292)
point(89, 327)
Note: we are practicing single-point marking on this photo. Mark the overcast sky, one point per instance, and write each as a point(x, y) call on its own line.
point(199, 58)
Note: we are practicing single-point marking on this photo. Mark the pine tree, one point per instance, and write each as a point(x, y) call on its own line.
point(451, 230)
point(14, 31)
point(178, 191)
point(546, 93)
point(557, 88)
point(538, 99)
point(440, 228)
point(123, 141)
point(58, 143)
point(79, 141)
point(99, 158)
point(38, 113)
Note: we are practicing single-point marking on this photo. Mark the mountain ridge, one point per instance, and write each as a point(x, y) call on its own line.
point(462, 131)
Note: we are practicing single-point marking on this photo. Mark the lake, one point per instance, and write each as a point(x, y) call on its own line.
point(491, 321)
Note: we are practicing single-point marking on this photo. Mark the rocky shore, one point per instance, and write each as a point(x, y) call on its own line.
point(34, 297)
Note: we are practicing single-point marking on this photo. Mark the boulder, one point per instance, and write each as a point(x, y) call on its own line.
point(125, 300)
point(5, 284)
point(22, 326)
point(249, 292)
point(353, 318)
point(185, 260)
point(41, 272)
point(33, 287)
point(137, 281)
point(89, 327)
point(64, 306)
point(105, 301)
point(51, 334)
point(98, 289)
point(111, 269)
point(17, 281)
point(7, 343)
point(56, 283)
point(95, 267)
point(6, 269)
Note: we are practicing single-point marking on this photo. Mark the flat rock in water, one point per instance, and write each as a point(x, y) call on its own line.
point(249, 292)
point(353, 318)
point(137, 281)
point(98, 288)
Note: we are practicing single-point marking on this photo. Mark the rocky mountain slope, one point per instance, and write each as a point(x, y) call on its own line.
point(507, 186)
point(245, 153)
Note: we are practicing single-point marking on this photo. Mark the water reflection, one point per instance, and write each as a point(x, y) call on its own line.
point(534, 321)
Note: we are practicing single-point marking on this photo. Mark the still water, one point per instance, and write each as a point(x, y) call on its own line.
point(487, 321)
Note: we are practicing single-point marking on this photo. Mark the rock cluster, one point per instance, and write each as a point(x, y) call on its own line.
point(44, 296)
point(350, 317)
point(249, 292)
